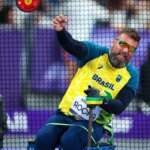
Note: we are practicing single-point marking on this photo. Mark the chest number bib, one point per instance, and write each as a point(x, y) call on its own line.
point(80, 110)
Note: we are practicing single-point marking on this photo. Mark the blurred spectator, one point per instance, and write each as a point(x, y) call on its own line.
point(11, 15)
point(4, 13)
point(143, 103)
point(129, 13)
point(41, 16)
point(141, 19)
point(17, 17)
point(3, 123)
point(83, 15)
point(121, 12)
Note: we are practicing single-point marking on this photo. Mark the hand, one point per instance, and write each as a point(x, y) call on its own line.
point(59, 22)
point(92, 92)
point(93, 96)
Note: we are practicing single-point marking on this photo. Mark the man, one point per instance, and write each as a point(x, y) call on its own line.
point(102, 72)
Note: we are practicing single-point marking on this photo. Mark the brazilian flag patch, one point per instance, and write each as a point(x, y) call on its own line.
point(94, 100)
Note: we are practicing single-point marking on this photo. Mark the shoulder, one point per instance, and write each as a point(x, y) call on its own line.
point(132, 70)
point(134, 80)
point(95, 47)
point(94, 50)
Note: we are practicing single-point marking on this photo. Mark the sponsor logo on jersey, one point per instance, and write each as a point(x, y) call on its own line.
point(118, 78)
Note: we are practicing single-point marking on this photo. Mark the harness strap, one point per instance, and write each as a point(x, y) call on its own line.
point(107, 128)
point(72, 125)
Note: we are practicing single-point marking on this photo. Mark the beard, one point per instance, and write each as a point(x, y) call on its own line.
point(115, 61)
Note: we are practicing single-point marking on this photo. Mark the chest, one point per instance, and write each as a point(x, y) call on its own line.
point(102, 75)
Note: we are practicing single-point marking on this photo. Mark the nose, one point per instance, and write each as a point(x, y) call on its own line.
point(125, 50)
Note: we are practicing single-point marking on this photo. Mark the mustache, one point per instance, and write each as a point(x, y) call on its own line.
point(114, 59)
point(119, 53)
point(116, 53)
point(115, 62)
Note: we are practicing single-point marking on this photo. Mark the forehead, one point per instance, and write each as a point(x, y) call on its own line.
point(128, 39)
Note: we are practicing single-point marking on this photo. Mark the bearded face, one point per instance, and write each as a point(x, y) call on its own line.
point(122, 50)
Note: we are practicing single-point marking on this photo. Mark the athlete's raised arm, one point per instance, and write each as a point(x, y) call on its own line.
point(74, 47)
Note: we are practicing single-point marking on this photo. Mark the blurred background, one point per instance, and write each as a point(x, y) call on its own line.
point(35, 71)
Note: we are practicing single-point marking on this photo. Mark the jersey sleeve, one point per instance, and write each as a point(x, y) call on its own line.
point(134, 80)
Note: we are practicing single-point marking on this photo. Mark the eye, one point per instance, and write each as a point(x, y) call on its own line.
point(122, 43)
point(125, 44)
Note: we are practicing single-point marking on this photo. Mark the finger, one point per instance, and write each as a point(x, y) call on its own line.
point(55, 21)
point(89, 86)
point(86, 91)
point(63, 17)
point(60, 18)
